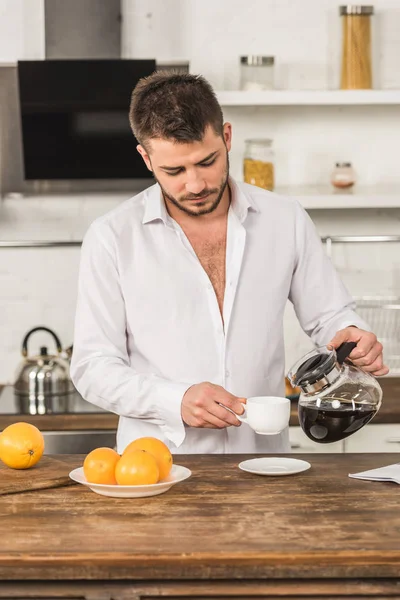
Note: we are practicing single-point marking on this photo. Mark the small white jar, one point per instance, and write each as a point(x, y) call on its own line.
point(256, 72)
point(343, 175)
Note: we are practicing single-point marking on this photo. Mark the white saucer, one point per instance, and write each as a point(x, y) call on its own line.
point(176, 475)
point(275, 466)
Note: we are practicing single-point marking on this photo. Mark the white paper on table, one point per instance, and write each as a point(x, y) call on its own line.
point(389, 473)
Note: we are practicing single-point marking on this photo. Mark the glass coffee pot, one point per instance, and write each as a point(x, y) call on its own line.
point(337, 398)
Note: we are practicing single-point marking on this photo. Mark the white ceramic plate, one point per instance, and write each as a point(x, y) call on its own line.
point(274, 466)
point(176, 475)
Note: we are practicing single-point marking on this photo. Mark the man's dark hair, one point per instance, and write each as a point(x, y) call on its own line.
point(175, 107)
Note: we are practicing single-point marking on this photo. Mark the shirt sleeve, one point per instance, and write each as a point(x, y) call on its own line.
point(100, 366)
point(321, 301)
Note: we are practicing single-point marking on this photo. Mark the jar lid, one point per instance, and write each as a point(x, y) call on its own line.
point(259, 141)
point(352, 9)
point(256, 60)
point(343, 164)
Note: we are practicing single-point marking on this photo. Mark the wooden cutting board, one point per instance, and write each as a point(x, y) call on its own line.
point(47, 473)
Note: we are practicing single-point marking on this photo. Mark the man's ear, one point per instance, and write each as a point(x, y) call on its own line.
point(145, 156)
point(227, 134)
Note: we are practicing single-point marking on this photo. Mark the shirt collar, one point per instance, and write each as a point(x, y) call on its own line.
point(154, 205)
point(241, 200)
point(155, 209)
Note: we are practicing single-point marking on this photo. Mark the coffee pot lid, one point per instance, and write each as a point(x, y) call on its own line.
point(315, 368)
point(318, 364)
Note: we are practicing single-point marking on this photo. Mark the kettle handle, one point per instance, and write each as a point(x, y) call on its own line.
point(25, 342)
point(343, 351)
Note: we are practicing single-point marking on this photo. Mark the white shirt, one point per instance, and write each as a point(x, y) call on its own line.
point(148, 325)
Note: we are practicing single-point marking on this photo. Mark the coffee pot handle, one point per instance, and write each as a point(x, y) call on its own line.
point(344, 350)
point(26, 338)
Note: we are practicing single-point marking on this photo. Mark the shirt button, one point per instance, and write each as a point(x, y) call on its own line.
point(227, 373)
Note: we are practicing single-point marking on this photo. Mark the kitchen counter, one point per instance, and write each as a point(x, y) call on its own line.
point(90, 417)
point(221, 533)
point(81, 415)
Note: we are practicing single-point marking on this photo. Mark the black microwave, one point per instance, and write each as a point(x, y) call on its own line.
point(75, 118)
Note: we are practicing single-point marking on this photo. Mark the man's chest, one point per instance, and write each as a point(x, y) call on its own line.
point(166, 281)
point(212, 257)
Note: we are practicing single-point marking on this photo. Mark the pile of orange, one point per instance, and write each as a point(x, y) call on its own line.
point(145, 461)
point(21, 445)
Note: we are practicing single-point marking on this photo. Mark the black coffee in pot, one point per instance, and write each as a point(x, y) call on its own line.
point(325, 424)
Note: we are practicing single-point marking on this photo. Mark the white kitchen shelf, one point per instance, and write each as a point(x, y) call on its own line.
point(308, 97)
point(323, 197)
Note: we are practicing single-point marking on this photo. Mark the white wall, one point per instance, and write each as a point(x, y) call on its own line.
point(38, 286)
point(21, 30)
point(304, 36)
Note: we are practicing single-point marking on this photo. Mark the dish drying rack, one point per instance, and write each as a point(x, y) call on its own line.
point(383, 316)
point(382, 313)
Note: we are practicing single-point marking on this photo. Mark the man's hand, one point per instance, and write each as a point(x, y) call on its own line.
point(368, 354)
point(201, 407)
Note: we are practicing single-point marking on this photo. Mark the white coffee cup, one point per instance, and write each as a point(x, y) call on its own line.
point(267, 415)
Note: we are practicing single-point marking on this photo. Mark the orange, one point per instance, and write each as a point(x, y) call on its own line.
point(158, 449)
point(21, 445)
point(99, 466)
point(137, 467)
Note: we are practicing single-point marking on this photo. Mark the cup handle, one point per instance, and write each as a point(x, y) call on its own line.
point(242, 417)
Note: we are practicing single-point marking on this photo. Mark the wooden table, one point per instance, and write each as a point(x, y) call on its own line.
point(222, 533)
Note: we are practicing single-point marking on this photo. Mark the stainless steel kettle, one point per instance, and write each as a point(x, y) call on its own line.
point(43, 383)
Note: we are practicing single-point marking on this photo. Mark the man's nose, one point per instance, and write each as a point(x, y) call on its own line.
point(195, 184)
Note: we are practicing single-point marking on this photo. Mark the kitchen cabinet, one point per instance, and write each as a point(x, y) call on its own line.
point(222, 533)
point(372, 438)
point(300, 443)
point(375, 438)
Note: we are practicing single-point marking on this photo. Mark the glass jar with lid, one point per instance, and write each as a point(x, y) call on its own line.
point(356, 70)
point(256, 72)
point(343, 175)
point(258, 163)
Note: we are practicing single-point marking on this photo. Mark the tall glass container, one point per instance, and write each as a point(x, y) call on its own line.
point(258, 164)
point(356, 70)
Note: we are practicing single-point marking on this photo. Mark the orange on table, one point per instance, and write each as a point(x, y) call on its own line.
point(99, 466)
point(21, 445)
point(158, 449)
point(137, 467)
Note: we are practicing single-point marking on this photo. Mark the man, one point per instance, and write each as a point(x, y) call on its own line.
point(182, 288)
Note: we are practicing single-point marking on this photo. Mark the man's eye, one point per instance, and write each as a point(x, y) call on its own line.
point(208, 164)
point(175, 173)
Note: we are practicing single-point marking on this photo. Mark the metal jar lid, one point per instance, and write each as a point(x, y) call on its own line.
point(254, 60)
point(353, 9)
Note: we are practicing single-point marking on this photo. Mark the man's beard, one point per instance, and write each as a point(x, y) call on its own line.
point(180, 204)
